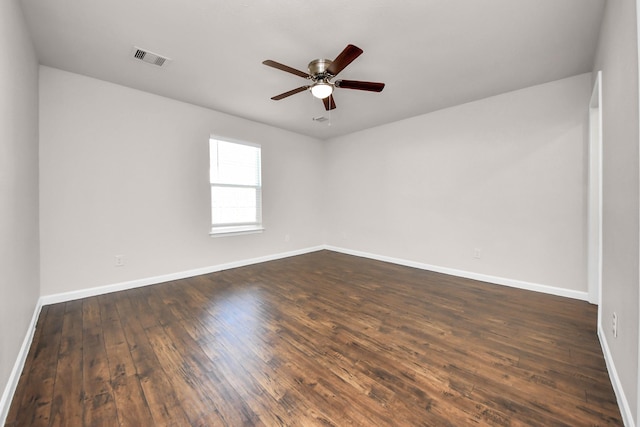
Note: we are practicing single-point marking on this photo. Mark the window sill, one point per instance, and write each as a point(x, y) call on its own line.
point(236, 231)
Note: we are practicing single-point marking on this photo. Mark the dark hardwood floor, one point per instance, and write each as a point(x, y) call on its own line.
point(319, 339)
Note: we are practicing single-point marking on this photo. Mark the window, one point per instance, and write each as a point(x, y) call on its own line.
point(236, 188)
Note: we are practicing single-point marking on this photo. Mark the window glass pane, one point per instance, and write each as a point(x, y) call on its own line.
point(233, 163)
point(233, 205)
point(236, 191)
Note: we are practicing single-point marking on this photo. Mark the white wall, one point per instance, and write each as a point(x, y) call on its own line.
point(617, 57)
point(19, 264)
point(126, 172)
point(505, 174)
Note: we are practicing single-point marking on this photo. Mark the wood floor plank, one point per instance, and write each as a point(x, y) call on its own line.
point(322, 339)
point(163, 404)
point(279, 381)
point(191, 390)
point(131, 405)
point(99, 403)
point(67, 405)
point(233, 410)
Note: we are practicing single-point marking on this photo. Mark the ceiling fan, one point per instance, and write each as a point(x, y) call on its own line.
point(321, 71)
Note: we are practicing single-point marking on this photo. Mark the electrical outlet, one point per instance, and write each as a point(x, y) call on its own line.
point(614, 324)
point(287, 237)
point(119, 260)
point(477, 252)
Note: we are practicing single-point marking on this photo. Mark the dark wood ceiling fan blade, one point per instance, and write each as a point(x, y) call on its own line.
point(289, 93)
point(360, 85)
point(286, 68)
point(329, 103)
point(345, 58)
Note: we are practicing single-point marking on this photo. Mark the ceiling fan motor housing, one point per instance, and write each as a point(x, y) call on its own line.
point(318, 68)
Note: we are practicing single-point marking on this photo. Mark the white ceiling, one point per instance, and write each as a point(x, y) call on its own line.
point(431, 54)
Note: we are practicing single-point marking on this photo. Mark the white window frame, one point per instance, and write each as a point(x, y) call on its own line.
point(230, 229)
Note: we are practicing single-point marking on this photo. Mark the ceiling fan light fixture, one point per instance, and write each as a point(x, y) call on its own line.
point(321, 90)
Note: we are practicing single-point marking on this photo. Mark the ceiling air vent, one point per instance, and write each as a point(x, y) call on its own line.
point(320, 119)
point(150, 57)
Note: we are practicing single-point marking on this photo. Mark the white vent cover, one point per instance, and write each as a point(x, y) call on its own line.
point(150, 57)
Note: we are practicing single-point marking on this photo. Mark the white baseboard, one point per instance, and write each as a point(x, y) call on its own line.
point(469, 275)
point(14, 377)
point(90, 292)
point(623, 403)
point(84, 293)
